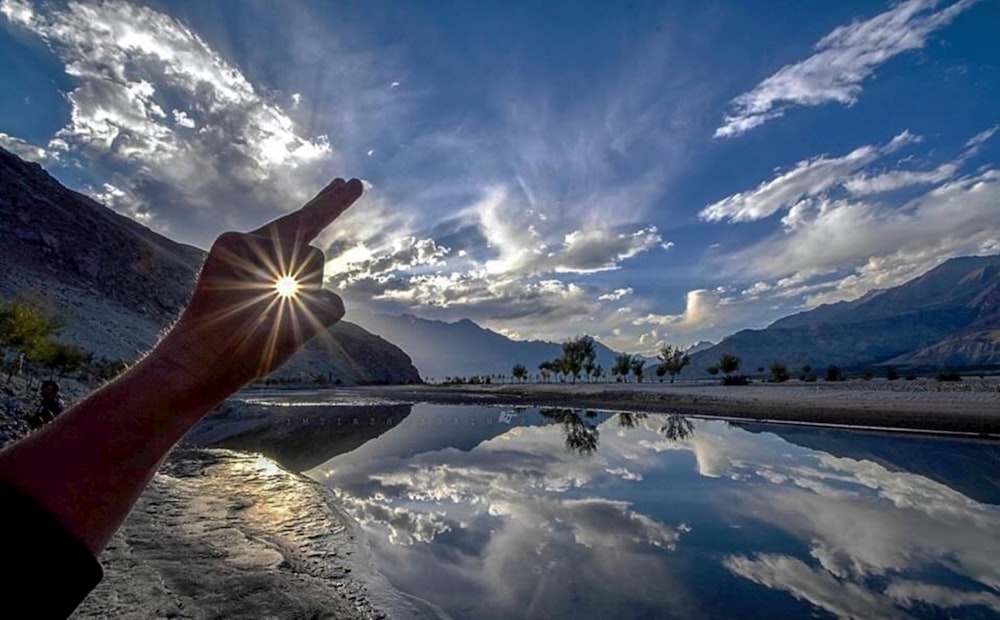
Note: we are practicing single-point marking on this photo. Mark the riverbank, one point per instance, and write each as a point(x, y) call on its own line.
point(971, 406)
point(223, 534)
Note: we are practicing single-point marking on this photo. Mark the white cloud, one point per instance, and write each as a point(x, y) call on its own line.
point(809, 178)
point(125, 62)
point(840, 63)
point(882, 246)
point(27, 151)
point(615, 295)
point(863, 185)
point(703, 308)
point(981, 138)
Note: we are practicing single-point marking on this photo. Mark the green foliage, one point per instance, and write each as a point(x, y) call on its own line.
point(868, 375)
point(949, 375)
point(519, 372)
point(713, 369)
point(597, 372)
point(56, 357)
point(622, 366)
point(578, 353)
point(729, 363)
point(834, 373)
point(736, 380)
point(638, 367)
point(779, 373)
point(23, 326)
point(672, 361)
point(890, 373)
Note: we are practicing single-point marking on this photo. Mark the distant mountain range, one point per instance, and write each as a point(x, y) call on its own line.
point(117, 284)
point(950, 316)
point(463, 348)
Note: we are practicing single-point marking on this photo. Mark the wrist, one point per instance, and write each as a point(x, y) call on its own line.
point(193, 367)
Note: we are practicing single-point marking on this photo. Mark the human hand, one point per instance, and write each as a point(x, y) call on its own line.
point(241, 323)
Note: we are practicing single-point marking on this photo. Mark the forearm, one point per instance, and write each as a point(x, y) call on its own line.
point(91, 464)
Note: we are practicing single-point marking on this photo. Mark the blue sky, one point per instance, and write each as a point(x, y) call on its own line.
point(645, 172)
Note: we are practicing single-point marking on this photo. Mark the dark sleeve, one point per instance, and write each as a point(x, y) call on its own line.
point(48, 571)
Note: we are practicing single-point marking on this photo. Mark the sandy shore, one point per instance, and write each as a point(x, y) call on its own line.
point(221, 534)
point(971, 406)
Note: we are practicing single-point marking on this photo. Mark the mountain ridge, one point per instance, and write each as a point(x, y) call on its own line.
point(948, 316)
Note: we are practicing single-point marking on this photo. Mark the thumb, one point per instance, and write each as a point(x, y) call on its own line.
point(328, 307)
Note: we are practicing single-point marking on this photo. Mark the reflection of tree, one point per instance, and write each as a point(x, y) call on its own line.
point(629, 420)
point(582, 435)
point(677, 427)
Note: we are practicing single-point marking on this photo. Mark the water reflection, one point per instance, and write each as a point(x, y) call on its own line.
point(664, 516)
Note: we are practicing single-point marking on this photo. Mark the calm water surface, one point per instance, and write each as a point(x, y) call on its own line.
point(508, 513)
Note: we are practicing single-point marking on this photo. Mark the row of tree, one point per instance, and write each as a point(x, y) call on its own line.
point(579, 358)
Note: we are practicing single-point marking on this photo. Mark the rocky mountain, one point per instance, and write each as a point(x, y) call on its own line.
point(699, 346)
point(463, 348)
point(117, 284)
point(950, 316)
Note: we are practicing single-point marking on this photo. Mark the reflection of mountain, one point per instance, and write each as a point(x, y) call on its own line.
point(972, 469)
point(297, 437)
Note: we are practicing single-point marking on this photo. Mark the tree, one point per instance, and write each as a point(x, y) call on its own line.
point(622, 366)
point(834, 373)
point(713, 369)
point(578, 354)
point(597, 372)
point(545, 369)
point(890, 373)
point(779, 373)
point(729, 363)
point(56, 357)
point(519, 372)
point(672, 361)
point(638, 367)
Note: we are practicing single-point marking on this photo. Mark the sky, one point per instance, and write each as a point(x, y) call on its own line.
point(645, 172)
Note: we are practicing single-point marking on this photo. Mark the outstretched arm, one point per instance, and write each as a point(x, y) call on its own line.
point(90, 465)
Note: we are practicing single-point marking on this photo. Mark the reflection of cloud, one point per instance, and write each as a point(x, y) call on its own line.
point(844, 600)
point(512, 537)
point(909, 593)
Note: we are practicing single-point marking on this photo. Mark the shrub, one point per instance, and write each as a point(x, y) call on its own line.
point(949, 375)
point(834, 373)
point(868, 375)
point(779, 373)
point(890, 373)
point(736, 380)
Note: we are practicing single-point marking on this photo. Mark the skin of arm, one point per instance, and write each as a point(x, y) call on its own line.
point(90, 465)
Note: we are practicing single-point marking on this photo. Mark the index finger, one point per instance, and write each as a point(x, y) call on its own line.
point(306, 223)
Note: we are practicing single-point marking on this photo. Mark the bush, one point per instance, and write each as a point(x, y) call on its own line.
point(890, 373)
point(911, 376)
point(736, 380)
point(779, 373)
point(868, 375)
point(949, 375)
point(833, 373)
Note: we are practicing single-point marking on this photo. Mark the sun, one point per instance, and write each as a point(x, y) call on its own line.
point(286, 287)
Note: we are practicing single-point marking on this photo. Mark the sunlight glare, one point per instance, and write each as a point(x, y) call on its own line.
point(286, 286)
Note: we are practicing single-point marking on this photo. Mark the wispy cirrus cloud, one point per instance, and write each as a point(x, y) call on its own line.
point(841, 62)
